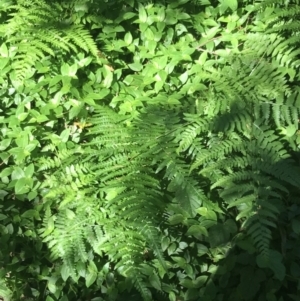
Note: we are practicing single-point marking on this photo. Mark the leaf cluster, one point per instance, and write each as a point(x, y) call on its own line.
point(149, 151)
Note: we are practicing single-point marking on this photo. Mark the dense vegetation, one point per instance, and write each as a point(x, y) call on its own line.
point(149, 150)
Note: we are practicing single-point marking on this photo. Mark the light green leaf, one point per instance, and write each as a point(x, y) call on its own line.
point(55, 101)
point(18, 173)
point(72, 70)
point(64, 136)
point(108, 77)
point(91, 274)
point(142, 14)
point(136, 66)
point(184, 77)
point(172, 296)
point(223, 52)
point(49, 228)
point(4, 50)
point(31, 195)
point(149, 35)
point(4, 144)
point(161, 14)
point(51, 285)
point(64, 272)
point(233, 4)
point(99, 95)
point(23, 185)
point(128, 38)
point(70, 214)
point(65, 69)
point(6, 172)
point(29, 170)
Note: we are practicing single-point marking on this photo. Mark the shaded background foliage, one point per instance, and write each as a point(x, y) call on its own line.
point(149, 150)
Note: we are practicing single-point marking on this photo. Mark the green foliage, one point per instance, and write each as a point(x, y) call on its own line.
point(149, 151)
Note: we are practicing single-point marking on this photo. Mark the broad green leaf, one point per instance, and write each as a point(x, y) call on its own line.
point(108, 77)
point(128, 38)
point(202, 211)
point(55, 101)
point(177, 3)
point(70, 214)
point(184, 77)
point(23, 185)
point(4, 50)
point(155, 281)
point(3, 63)
point(172, 248)
point(65, 69)
point(136, 66)
point(6, 172)
point(52, 285)
point(3, 193)
point(165, 243)
point(161, 14)
point(128, 15)
point(176, 219)
point(30, 147)
point(200, 281)
point(183, 16)
point(202, 249)
point(10, 228)
point(179, 260)
point(32, 195)
point(170, 18)
point(72, 70)
point(2, 217)
point(197, 231)
point(49, 228)
point(65, 135)
point(81, 7)
point(17, 173)
point(4, 144)
point(172, 296)
point(142, 14)
point(187, 283)
point(110, 279)
point(31, 214)
point(91, 274)
point(64, 272)
point(233, 4)
point(29, 170)
point(84, 61)
point(149, 35)
point(223, 52)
